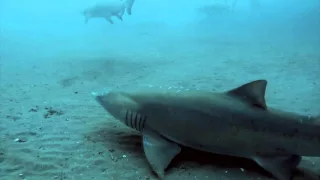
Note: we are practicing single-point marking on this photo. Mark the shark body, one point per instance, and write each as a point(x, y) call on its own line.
point(109, 8)
point(236, 123)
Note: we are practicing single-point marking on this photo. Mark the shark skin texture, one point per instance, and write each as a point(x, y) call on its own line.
point(237, 123)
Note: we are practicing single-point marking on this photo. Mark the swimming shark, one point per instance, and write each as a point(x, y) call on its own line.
point(236, 122)
point(107, 9)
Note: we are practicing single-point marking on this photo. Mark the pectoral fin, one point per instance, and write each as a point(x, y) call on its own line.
point(281, 167)
point(159, 151)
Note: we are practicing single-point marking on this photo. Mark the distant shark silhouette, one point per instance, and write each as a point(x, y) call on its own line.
point(236, 123)
point(109, 8)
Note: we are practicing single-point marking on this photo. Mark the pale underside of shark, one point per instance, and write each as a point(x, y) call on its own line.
point(236, 123)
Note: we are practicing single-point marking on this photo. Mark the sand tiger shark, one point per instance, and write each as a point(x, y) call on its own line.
point(235, 123)
point(107, 9)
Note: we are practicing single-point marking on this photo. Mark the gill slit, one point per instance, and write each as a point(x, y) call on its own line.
point(135, 120)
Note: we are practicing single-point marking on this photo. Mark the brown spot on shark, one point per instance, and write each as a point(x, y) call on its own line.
point(108, 9)
point(237, 123)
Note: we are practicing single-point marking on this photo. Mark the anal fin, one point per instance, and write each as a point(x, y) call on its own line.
point(159, 151)
point(281, 167)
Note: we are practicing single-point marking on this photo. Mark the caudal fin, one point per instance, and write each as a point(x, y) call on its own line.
point(129, 4)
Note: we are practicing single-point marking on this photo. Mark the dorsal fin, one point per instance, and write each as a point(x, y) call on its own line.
point(252, 92)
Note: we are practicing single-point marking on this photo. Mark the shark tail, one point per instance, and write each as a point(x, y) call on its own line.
point(128, 5)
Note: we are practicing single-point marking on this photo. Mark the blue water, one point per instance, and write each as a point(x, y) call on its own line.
point(51, 58)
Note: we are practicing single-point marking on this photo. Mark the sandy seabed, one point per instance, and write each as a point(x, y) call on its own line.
point(52, 128)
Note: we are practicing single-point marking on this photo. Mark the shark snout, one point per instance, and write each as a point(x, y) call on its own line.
point(108, 100)
point(116, 104)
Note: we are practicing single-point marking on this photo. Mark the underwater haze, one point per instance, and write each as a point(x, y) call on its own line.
point(51, 60)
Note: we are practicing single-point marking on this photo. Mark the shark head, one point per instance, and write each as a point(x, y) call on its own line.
point(87, 14)
point(113, 102)
point(122, 107)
